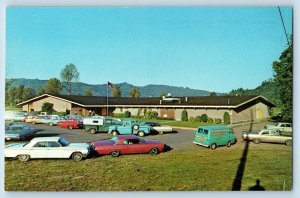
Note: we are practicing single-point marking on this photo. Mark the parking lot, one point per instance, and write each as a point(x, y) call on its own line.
point(181, 139)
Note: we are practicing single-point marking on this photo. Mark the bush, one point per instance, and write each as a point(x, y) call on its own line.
point(197, 119)
point(203, 118)
point(210, 120)
point(218, 120)
point(151, 115)
point(226, 118)
point(48, 107)
point(191, 119)
point(184, 115)
point(163, 118)
point(127, 114)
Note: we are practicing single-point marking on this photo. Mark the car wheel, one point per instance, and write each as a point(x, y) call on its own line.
point(228, 144)
point(136, 127)
point(213, 146)
point(115, 153)
point(24, 158)
point(51, 124)
point(93, 131)
point(141, 133)
point(256, 141)
point(70, 127)
point(114, 133)
point(154, 151)
point(32, 122)
point(289, 142)
point(77, 156)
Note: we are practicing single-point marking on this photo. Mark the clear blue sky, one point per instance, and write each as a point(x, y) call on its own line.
point(209, 48)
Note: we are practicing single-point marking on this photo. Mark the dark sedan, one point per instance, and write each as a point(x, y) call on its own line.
point(19, 132)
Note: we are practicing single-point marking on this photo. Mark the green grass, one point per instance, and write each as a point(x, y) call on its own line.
point(202, 170)
point(17, 109)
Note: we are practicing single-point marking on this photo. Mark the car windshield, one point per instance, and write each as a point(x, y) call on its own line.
point(63, 142)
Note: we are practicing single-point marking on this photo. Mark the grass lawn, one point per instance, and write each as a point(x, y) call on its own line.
point(201, 170)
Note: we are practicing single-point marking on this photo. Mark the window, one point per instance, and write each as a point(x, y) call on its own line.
point(95, 121)
point(265, 133)
point(63, 142)
point(41, 144)
point(53, 144)
point(133, 141)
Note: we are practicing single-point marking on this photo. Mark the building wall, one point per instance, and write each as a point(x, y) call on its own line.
point(211, 113)
point(58, 105)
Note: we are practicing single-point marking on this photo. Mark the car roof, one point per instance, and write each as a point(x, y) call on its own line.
point(214, 127)
point(127, 137)
point(45, 139)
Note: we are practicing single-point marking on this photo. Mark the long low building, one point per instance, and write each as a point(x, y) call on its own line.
point(240, 108)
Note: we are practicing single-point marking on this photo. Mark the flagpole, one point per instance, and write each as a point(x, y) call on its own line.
point(107, 100)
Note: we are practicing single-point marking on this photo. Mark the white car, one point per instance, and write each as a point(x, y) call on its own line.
point(14, 116)
point(47, 147)
point(161, 129)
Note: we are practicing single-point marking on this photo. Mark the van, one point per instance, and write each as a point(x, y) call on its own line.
point(214, 136)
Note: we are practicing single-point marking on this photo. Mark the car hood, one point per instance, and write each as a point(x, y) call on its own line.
point(14, 146)
point(78, 145)
point(103, 142)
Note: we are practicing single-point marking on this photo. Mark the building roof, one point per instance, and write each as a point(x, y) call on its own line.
point(195, 101)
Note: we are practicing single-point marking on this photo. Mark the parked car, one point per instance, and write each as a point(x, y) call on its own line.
point(127, 144)
point(19, 132)
point(267, 135)
point(53, 120)
point(129, 127)
point(157, 128)
point(214, 136)
point(71, 124)
point(98, 124)
point(280, 127)
point(14, 116)
point(47, 147)
point(35, 119)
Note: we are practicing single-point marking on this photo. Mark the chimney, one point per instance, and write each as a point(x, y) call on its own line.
point(186, 99)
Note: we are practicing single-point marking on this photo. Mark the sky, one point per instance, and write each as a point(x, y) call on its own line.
point(208, 48)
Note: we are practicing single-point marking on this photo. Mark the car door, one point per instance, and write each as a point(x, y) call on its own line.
point(39, 150)
point(55, 150)
point(126, 128)
point(136, 146)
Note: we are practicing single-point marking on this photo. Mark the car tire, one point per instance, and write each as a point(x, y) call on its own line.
point(51, 123)
point(115, 133)
point(213, 146)
point(93, 131)
point(256, 141)
point(154, 151)
point(115, 153)
point(228, 144)
point(77, 156)
point(136, 127)
point(289, 142)
point(24, 158)
point(70, 127)
point(141, 133)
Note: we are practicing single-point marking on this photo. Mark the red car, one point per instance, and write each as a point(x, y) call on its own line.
point(71, 124)
point(127, 144)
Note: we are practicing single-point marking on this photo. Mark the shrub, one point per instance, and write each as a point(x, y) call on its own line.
point(226, 118)
point(210, 120)
point(151, 115)
point(197, 119)
point(203, 118)
point(218, 120)
point(191, 119)
point(48, 107)
point(184, 115)
point(127, 114)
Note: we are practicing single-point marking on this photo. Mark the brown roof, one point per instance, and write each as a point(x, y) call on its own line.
point(225, 101)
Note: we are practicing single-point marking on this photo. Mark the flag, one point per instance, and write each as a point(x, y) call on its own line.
point(110, 85)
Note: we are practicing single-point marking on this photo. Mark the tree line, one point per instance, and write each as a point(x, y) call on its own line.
point(68, 75)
